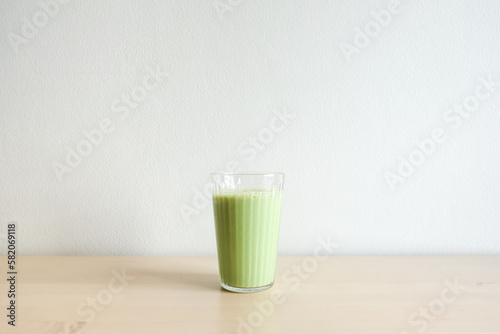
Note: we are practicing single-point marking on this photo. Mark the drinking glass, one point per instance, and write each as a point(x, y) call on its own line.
point(247, 213)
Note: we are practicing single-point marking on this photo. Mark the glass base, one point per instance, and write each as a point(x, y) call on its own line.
point(246, 290)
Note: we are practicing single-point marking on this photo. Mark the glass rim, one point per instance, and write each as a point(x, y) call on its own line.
point(249, 173)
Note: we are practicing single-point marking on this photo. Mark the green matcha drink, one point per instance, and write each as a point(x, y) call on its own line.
point(247, 223)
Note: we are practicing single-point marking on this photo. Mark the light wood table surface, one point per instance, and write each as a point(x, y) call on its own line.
point(339, 294)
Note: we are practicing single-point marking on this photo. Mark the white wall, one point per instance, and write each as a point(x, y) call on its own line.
point(356, 106)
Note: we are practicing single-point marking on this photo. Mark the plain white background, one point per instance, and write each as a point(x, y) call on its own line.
point(339, 95)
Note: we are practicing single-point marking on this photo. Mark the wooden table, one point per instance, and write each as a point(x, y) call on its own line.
point(338, 294)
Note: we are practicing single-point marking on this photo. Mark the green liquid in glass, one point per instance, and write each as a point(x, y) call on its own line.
point(247, 226)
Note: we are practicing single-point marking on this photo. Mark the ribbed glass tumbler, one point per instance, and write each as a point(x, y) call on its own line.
point(247, 212)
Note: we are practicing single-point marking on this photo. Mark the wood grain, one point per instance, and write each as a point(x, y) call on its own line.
point(339, 294)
